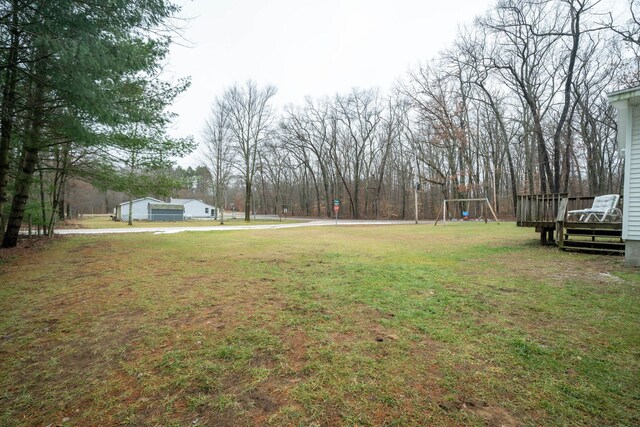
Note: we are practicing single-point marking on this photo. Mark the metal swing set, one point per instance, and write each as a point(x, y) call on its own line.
point(444, 208)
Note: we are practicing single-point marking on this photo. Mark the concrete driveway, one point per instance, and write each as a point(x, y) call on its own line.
point(173, 230)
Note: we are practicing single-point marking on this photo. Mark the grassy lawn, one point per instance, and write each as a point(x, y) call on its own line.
point(103, 221)
point(469, 324)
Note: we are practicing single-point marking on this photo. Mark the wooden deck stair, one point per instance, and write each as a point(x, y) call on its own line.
point(591, 237)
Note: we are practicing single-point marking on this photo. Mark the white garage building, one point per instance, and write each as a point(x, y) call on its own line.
point(196, 208)
point(140, 209)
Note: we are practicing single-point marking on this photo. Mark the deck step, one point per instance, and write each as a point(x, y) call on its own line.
point(592, 232)
point(605, 238)
point(594, 246)
point(593, 250)
point(597, 243)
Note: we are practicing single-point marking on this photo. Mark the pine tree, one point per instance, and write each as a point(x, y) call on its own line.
point(85, 74)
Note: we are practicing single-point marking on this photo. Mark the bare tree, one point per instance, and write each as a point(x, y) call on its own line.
point(630, 30)
point(306, 133)
point(527, 63)
point(358, 115)
point(629, 33)
point(473, 55)
point(249, 121)
point(217, 153)
point(594, 150)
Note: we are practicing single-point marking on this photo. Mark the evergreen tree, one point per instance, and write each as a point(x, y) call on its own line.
point(85, 74)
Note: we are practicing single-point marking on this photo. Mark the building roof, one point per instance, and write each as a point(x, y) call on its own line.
point(185, 201)
point(181, 201)
point(141, 199)
point(632, 94)
point(622, 100)
point(166, 206)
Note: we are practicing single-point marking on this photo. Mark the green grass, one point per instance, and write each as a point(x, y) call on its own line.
point(469, 324)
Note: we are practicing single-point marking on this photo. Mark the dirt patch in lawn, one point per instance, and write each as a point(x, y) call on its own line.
point(295, 343)
point(27, 247)
point(494, 416)
point(491, 416)
point(554, 267)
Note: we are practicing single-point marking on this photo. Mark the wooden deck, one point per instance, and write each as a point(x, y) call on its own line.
point(547, 213)
point(541, 210)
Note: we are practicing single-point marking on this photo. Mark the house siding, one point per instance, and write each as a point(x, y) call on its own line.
point(195, 208)
point(140, 209)
point(633, 188)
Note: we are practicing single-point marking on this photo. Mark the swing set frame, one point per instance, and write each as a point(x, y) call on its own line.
point(444, 209)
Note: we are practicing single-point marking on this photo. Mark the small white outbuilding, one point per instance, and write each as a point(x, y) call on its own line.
point(627, 102)
point(194, 208)
point(140, 209)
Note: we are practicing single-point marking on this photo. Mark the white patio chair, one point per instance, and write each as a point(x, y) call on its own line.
point(603, 208)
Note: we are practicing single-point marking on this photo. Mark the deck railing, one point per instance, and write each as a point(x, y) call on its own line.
point(541, 210)
point(535, 210)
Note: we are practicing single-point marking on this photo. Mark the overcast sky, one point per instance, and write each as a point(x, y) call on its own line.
point(305, 47)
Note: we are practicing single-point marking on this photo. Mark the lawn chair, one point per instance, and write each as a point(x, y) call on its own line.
point(603, 208)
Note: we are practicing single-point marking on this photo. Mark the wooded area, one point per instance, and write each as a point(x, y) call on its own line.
point(516, 105)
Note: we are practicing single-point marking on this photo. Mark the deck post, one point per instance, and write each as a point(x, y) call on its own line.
point(560, 233)
point(561, 218)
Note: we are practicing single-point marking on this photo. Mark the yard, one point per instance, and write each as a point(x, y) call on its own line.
point(468, 324)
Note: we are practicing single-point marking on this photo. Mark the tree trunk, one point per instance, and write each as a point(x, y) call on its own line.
point(59, 184)
point(247, 200)
point(43, 201)
point(24, 179)
point(130, 220)
point(28, 161)
point(543, 157)
point(557, 152)
point(514, 183)
point(7, 112)
point(61, 204)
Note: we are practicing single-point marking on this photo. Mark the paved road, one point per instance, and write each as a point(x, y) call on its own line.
point(172, 230)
